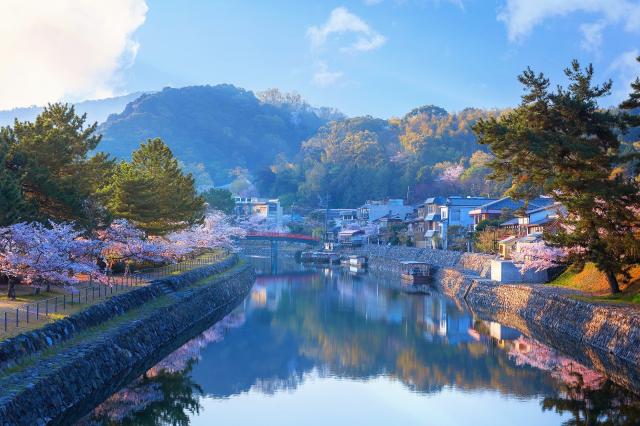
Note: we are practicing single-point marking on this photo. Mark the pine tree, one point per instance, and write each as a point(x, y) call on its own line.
point(152, 191)
point(51, 156)
point(562, 144)
point(12, 205)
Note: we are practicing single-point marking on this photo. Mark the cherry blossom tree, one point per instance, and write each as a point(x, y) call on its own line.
point(216, 232)
point(538, 256)
point(34, 253)
point(123, 242)
point(452, 173)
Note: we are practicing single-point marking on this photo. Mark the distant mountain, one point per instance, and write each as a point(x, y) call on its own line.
point(96, 110)
point(216, 129)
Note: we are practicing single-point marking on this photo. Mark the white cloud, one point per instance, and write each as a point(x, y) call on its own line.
point(521, 16)
point(65, 49)
point(592, 35)
point(325, 78)
point(628, 69)
point(341, 22)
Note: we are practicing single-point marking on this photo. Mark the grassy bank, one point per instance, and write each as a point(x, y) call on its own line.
point(593, 284)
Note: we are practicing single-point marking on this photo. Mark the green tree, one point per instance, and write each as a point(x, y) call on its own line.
point(220, 199)
point(51, 156)
point(152, 191)
point(14, 208)
point(561, 143)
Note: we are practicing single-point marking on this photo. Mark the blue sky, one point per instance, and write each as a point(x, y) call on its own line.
point(374, 57)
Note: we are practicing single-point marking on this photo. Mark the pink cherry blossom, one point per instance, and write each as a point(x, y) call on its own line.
point(537, 256)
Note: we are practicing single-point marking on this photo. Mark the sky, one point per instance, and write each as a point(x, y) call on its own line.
point(364, 57)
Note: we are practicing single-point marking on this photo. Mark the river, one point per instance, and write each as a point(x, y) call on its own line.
point(328, 347)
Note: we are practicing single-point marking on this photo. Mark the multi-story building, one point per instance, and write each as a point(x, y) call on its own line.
point(455, 218)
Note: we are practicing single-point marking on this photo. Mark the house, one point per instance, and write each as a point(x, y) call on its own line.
point(497, 208)
point(351, 237)
point(432, 216)
point(373, 210)
point(454, 214)
point(535, 220)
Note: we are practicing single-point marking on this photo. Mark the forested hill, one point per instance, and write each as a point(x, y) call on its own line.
point(214, 129)
point(427, 152)
point(294, 151)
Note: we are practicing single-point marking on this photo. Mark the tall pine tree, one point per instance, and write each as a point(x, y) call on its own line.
point(152, 191)
point(562, 144)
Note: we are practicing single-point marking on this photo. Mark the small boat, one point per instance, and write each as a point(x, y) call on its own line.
point(413, 272)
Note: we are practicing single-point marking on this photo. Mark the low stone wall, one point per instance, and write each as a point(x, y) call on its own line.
point(388, 258)
point(62, 387)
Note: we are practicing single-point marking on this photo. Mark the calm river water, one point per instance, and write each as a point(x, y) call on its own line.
point(326, 347)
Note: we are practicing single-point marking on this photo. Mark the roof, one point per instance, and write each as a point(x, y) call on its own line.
point(468, 201)
point(513, 221)
point(432, 217)
point(552, 206)
point(413, 262)
point(351, 232)
point(508, 239)
point(435, 200)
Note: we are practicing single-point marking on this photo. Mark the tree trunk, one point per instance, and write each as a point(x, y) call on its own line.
point(11, 293)
point(613, 282)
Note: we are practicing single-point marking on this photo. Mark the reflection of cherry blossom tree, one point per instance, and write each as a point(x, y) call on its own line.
point(156, 390)
point(34, 253)
point(527, 351)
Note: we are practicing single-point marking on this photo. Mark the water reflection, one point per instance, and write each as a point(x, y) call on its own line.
point(306, 327)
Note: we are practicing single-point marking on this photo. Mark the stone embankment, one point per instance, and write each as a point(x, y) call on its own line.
point(72, 373)
point(602, 335)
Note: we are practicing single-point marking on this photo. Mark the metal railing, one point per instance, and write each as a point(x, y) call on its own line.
point(43, 310)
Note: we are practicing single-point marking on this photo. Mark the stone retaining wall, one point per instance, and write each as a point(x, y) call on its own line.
point(62, 387)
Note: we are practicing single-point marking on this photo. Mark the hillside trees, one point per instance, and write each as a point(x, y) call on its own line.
point(563, 144)
point(152, 192)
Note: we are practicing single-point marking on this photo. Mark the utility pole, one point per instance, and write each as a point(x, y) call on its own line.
point(326, 217)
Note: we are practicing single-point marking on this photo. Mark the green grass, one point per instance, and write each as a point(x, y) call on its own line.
point(595, 288)
point(28, 298)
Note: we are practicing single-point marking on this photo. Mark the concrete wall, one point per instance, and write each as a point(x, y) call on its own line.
point(60, 388)
point(504, 271)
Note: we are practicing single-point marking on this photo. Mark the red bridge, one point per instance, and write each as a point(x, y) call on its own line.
point(282, 236)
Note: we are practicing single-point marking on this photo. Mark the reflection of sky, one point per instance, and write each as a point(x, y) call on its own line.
point(329, 347)
point(379, 401)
